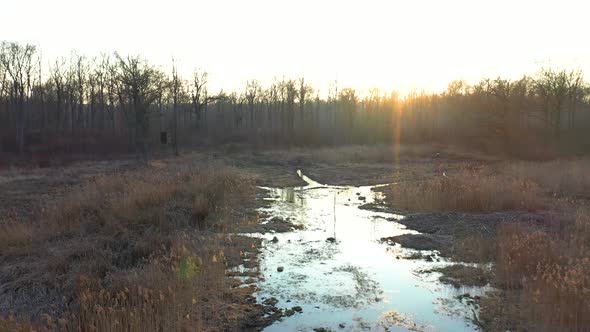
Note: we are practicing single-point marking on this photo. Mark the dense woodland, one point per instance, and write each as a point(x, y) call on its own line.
point(119, 104)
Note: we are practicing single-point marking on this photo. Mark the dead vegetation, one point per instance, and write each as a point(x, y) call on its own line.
point(557, 178)
point(378, 153)
point(524, 186)
point(550, 275)
point(139, 251)
point(541, 267)
point(127, 248)
point(467, 191)
point(459, 275)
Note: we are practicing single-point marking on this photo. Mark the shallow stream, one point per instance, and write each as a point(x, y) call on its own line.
point(342, 276)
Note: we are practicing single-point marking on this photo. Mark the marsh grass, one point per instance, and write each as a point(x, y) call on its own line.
point(460, 275)
point(138, 251)
point(548, 273)
point(465, 190)
point(557, 178)
point(542, 270)
point(477, 248)
point(378, 153)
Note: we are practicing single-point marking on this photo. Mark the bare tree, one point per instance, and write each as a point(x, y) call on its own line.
point(100, 76)
point(80, 79)
point(290, 94)
point(575, 82)
point(348, 100)
point(253, 91)
point(19, 63)
point(139, 86)
point(58, 79)
point(175, 86)
point(199, 95)
point(553, 87)
point(304, 91)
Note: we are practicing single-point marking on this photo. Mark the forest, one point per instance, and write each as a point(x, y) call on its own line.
point(84, 105)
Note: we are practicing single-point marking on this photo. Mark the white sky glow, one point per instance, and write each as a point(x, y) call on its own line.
point(401, 45)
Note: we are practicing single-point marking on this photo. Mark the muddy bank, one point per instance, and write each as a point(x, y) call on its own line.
point(272, 225)
point(446, 232)
point(460, 275)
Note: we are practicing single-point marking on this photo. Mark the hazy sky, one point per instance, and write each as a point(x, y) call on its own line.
point(389, 44)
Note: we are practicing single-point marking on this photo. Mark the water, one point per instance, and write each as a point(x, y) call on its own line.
point(342, 276)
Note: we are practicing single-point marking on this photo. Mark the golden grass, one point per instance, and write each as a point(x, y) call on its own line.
point(126, 249)
point(520, 251)
point(465, 190)
point(11, 324)
point(551, 274)
point(142, 198)
point(558, 178)
point(173, 293)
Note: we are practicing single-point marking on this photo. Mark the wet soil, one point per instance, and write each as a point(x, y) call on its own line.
point(272, 225)
point(442, 231)
point(459, 275)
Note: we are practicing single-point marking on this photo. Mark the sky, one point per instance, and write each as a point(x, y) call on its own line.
point(393, 45)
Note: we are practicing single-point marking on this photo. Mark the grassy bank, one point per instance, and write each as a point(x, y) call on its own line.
point(546, 274)
point(541, 268)
point(143, 250)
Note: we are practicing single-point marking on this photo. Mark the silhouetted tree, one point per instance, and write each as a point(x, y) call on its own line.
point(199, 95)
point(18, 61)
point(175, 87)
point(139, 85)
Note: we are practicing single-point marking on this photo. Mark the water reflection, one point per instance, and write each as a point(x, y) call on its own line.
point(342, 276)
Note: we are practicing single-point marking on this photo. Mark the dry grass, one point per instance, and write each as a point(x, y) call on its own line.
point(558, 178)
point(460, 275)
point(14, 234)
point(520, 250)
point(466, 190)
point(550, 274)
point(133, 252)
point(144, 198)
point(379, 153)
point(182, 290)
point(478, 248)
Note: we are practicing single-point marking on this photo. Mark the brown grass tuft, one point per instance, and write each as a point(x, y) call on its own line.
point(520, 250)
point(558, 178)
point(551, 274)
point(466, 190)
point(125, 250)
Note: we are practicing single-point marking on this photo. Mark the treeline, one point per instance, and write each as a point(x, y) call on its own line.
point(111, 104)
